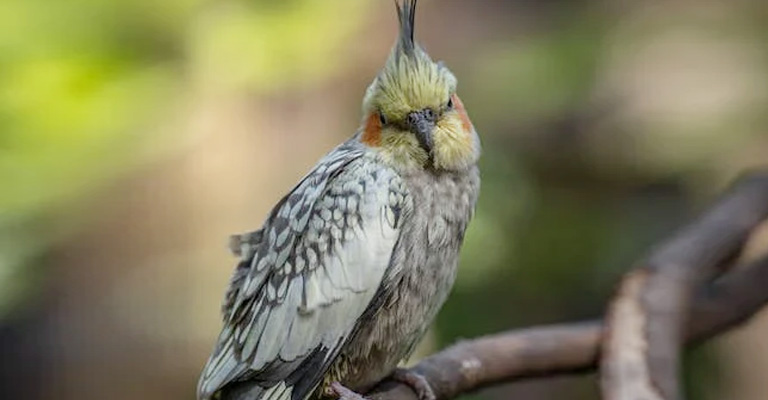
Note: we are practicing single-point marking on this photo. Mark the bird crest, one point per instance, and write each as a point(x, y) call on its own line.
point(410, 80)
point(406, 13)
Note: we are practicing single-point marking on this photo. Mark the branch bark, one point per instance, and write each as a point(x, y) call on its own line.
point(572, 348)
point(659, 291)
point(646, 319)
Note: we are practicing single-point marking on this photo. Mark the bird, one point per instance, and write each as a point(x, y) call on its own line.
point(350, 267)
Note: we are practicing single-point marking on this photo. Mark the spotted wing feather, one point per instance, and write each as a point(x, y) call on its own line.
point(322, 254)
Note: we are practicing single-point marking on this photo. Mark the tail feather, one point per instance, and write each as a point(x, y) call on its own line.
point(249, 390)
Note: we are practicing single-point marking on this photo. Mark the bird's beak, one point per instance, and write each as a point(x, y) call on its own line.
point(422, 123)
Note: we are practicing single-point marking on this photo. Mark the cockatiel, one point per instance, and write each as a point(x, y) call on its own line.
point(351, 266)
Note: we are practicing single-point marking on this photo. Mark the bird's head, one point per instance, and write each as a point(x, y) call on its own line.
point(412, 115)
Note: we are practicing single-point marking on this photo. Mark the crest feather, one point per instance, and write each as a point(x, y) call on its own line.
point(406, 13)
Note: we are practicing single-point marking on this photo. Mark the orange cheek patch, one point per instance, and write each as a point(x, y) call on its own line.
point(372, 131)
point(459, 106)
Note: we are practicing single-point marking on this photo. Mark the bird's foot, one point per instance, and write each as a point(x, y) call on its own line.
point(345, 394)
point(416, 381)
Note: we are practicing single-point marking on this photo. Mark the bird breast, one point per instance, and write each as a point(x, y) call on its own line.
point(426, 257)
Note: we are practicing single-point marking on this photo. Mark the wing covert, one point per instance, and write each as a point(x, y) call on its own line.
point(322, 256)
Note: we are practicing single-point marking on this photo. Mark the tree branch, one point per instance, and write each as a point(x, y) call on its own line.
point(687, 261)
point(646, 319)
point(572, 348)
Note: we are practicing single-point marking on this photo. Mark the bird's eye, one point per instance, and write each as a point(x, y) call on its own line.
point(449, 105)
point(382, 119)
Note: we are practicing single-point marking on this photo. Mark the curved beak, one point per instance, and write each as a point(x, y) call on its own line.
point(421, 123)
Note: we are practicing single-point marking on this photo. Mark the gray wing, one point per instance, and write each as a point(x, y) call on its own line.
point(324, 252)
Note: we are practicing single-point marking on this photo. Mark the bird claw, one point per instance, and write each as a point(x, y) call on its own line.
point(345, 394)
point(416, 381)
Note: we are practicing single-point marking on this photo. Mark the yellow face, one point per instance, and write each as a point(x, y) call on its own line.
point(414, 118)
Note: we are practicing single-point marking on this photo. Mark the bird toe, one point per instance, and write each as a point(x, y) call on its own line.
point(416, 381)
point(344, 393)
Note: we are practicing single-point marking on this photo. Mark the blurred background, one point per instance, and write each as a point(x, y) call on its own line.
point(136, 135)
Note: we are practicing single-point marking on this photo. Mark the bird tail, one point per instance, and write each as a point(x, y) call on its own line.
point(252, 391)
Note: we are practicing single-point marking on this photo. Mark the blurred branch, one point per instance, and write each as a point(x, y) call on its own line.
point(645, 322)
point(655, 294)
